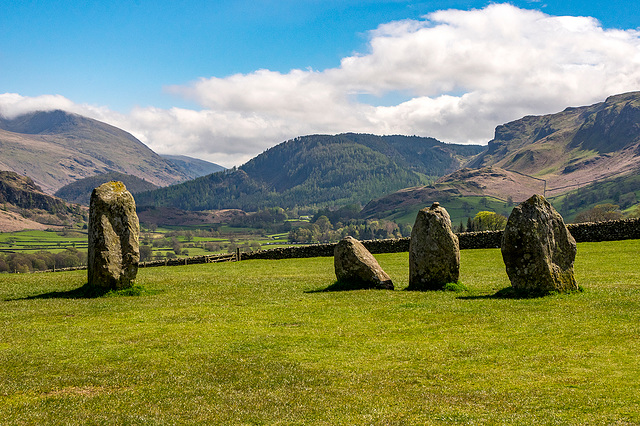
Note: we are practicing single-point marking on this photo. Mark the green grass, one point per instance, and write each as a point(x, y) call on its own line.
point(30, 241)
point(256, 342)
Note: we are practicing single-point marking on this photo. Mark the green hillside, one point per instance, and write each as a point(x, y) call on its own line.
point(623, 191)
point(318, 170)
point(79, 192)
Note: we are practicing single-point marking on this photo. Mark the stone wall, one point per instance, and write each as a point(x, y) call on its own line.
point(626, 229)
point(615, 230)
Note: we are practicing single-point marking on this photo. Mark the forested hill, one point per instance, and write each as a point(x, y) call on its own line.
point(79, 192)
point(319, 170)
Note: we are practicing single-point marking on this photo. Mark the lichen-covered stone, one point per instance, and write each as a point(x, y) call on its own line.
point(434, 252)
point(354, 264)
point(114, 250)
point(538, 249)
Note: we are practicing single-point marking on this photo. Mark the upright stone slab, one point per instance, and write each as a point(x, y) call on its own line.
point(538, 249)
point(114, 250)
point(434, 252)
point(354, 264)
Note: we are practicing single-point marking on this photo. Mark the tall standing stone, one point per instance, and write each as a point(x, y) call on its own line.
point(537, 248)
point(354, 264)
point(434, 252)
point(114, 250)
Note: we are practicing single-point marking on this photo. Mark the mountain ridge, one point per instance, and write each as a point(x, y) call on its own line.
point(574, 147)
point(55, 148)
point(550, 154)
point(318, 170)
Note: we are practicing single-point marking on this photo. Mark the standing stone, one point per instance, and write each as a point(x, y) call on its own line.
point(434, 252)
point(354, 264)
point(114, 250)
point(537, 248)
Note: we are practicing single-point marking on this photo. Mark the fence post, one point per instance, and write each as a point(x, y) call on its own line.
point(237, 254)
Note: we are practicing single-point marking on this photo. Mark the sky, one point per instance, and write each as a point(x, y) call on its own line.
point(224, 80)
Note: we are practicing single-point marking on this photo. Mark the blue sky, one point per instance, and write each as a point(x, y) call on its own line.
point(229, 76)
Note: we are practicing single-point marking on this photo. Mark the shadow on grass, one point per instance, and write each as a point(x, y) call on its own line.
point(90, 292)
point(512, 293)
point(456, 287)
point(345, 286)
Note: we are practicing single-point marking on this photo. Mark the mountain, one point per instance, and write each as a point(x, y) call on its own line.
point(192, 167)
point(572, 148)
point(553, 154)
point(318, 170)
point(79, 192)
point(56, 148)
point(23, 205)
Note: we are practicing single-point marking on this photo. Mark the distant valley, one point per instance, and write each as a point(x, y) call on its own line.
point(578, 157)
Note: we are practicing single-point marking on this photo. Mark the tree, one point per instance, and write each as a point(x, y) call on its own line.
point(489, 221)
point(324, 224)
point(145, 252)
point(470, 226)
point(600, 213)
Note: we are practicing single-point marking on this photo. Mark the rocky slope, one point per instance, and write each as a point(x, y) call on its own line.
point(551, 154)
point(572, 148)
point(23, 205)
point(79, 192)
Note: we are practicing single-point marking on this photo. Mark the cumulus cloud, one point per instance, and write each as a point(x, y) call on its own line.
point(461, 73)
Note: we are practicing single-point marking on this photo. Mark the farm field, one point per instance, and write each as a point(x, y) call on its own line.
point(259, 342)
point(163, 241)
point(53, 241)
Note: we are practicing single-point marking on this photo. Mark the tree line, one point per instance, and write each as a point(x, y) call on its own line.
point(42, 260)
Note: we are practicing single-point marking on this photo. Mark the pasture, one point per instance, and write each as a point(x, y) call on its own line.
point(259, 342)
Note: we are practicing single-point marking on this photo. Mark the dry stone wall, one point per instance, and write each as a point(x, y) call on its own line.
point(627, 229)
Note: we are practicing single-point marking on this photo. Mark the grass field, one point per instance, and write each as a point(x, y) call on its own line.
point(31, 241)
point(258, 342)
point(56, 241)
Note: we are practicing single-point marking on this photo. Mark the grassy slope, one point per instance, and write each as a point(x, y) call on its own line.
point(251, 342)
point(455, 208)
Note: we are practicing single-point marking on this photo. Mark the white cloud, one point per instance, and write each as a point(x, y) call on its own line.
point(464, 72)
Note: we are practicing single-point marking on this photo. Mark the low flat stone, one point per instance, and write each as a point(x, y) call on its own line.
point(538, 249)
point(114, 230)
point(434, 252)
point(354, 264)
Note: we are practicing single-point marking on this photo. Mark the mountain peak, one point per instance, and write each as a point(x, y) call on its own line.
point(56, 148)
point(39, 122)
